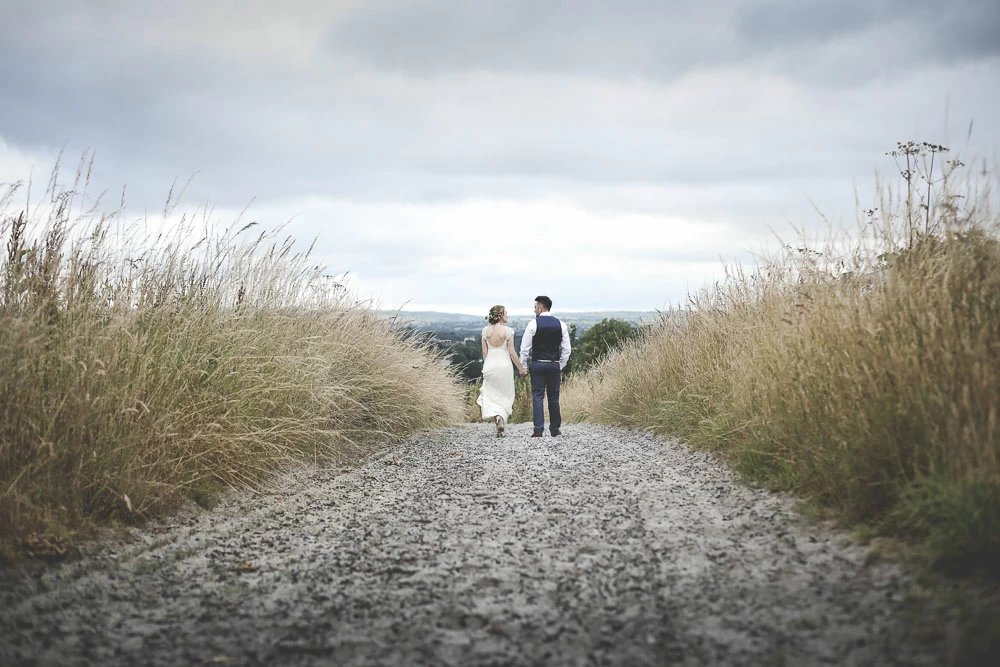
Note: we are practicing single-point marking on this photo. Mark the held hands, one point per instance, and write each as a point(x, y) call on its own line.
point(523, 372)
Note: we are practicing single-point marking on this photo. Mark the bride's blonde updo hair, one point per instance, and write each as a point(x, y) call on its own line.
point(496, 313)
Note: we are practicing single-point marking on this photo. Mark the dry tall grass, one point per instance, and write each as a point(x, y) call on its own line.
point(138, 372)
point(865, 376)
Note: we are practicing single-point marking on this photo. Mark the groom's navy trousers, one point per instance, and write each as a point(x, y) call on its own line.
point(545, 382)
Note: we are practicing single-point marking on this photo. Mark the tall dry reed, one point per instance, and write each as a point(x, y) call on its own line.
point(864, 375)
point(139, 371)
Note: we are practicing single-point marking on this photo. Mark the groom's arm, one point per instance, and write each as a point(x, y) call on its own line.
point(564, 347)
point(526, 342)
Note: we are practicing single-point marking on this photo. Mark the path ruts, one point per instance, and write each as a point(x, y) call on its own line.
point(600, 547)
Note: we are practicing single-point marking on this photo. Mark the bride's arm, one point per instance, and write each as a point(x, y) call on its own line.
point(513, 356)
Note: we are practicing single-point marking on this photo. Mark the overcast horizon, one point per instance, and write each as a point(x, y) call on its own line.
point(450, 155)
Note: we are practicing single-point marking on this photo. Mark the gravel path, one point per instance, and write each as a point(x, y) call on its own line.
point(602, 546)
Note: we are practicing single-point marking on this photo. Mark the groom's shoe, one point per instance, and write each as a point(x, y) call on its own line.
point(536, 435)
point(556, 432)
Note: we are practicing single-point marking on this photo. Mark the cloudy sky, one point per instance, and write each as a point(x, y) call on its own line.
point(453, 154)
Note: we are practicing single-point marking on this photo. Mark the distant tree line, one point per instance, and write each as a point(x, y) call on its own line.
point(588, 349)
point(600, 339)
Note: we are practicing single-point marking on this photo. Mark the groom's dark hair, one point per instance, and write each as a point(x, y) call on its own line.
point(545, 301)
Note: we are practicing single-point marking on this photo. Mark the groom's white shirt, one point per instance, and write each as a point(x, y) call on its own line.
point(529, 336)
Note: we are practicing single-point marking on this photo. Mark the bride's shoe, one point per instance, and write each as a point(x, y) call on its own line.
point(500, 426)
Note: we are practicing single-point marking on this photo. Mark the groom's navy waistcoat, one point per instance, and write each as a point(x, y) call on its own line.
point(548, 339)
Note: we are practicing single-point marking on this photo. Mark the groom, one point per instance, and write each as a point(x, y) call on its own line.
point(546, 342)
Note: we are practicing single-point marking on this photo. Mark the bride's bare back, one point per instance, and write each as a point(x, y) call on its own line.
point(496, 335)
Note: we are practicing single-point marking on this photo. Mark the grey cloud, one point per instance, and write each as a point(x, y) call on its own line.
point(730, 112)
point(158, 110)
point(780, 24)
point(656, 39)
point(844, 44)
point(626, 38)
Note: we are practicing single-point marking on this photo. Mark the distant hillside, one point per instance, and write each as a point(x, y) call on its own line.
point(425, 319)
point(458, 335)
point(472, 324)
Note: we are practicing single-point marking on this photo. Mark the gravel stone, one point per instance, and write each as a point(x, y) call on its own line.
point(603, 546)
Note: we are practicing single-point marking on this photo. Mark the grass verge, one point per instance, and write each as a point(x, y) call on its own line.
point(863, 374)
point(137, 372)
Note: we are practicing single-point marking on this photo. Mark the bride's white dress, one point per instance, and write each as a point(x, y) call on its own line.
point(496, 396)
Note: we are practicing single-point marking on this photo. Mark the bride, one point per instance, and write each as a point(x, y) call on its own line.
point(496, 397)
